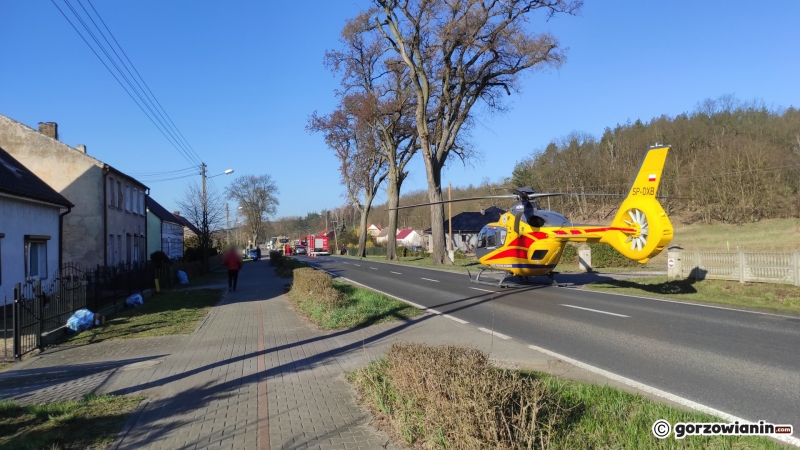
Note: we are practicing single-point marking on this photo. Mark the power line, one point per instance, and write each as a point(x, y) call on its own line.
point(175, 127)
point(188, 156)
point(168, 172)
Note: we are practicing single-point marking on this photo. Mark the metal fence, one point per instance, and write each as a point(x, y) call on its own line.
point(761, 267)
point(42, 306)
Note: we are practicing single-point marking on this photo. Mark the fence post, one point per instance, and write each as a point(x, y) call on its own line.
point(796, 258)
point(697, 265)
point(741, 266)
point(37, 297)
point(17, 335)
point(585, 259)
point(674, 266)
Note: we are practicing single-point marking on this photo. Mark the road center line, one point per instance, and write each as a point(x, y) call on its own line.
point(482, 290)
point(396, 273)
point(373, 268)
point(495, 333)
point(595, 310)
point(359, 265)
point(435, 281)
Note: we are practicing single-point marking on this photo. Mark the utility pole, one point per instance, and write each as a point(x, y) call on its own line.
point(205, 238)
point(450, 213)
point(227, 227)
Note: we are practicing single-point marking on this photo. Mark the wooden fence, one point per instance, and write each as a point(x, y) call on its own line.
point(741, 266)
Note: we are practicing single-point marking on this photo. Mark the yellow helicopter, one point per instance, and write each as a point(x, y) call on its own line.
point(529, 241)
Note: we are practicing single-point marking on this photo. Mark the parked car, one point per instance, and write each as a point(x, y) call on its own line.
point(251, 253)
point(300, 250)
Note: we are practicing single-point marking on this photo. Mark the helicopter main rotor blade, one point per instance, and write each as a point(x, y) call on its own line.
point(452, 201)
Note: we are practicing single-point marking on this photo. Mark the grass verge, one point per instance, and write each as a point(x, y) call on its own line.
point(757, 296)
point(332, 305)
point(173, 312)
point(88, 423)
point(452, 397)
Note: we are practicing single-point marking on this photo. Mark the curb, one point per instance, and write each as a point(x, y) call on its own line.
point(129, 424)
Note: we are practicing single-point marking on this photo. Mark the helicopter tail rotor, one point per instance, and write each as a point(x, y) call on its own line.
point(641, 228)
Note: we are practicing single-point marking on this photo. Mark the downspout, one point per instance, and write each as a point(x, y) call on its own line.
point(105, 215)
point(146, 231)
point(61, 237)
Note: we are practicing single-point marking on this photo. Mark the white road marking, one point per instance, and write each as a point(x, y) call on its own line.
point(435, 281)
point(359, 265)
point(483, 290)
point(456, 319)
point(658, 392)
point(373, 268)
point(415, 305)
point(495, 333)
point(596, 310)
point(396, 273)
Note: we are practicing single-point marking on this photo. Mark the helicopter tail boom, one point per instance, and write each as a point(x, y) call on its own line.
point(641, 212)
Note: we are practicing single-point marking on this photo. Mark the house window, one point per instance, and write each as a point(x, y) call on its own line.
point(111, 260)
point(36, 259)
point(136, 249)
point(127, 198)
point(135, 200)
point(118, 251)
point(111, 196)
point(141, 203)
point(119, 194)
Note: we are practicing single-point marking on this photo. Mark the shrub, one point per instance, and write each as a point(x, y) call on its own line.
point(451, 396)
point(570, 254)
point(458, 254)
point(311, 285)
point(604, 255)
point(159, 258)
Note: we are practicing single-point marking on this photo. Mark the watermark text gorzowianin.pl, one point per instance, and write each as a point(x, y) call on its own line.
point(662, 429)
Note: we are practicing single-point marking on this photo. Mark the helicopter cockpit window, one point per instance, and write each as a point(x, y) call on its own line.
point(501, 236)
point(491, 238)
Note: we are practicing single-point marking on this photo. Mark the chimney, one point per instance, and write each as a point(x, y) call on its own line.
point(177, 213)
point(49, 129)
point(81, 148)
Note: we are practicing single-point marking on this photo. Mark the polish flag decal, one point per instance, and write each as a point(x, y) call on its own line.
point(652, 177)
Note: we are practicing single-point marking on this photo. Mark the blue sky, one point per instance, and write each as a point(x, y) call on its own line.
point(240, 79)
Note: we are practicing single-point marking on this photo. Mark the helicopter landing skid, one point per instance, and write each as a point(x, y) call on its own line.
point(523, 280)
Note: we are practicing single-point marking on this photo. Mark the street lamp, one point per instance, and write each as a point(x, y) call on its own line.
point(206, 238)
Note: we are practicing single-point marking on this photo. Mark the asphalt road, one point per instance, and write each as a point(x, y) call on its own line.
point(742, 363)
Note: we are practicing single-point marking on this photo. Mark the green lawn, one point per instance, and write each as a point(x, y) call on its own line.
point(90, 423)
point(167, 313)
point(759, 296)
point(361, 307)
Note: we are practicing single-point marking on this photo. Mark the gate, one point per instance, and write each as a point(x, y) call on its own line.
point(40, 307)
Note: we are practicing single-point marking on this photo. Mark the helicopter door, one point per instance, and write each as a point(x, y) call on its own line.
point(489, 239)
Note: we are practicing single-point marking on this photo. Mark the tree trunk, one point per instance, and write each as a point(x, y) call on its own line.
point(393, 198)
point(434, 174)
point(362, 235)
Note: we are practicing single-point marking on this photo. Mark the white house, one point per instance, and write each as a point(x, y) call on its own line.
point(373, 230)
point(31, 224)
point(383, 237)
point(164, 230)
point(409, 238)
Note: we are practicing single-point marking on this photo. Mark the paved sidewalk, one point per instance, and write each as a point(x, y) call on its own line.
point(255, 375)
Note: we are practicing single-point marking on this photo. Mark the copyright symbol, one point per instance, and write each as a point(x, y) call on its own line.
point(661, 429)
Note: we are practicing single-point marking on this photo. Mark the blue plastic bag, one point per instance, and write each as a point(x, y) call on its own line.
point(134, 301)
point(83, 319)
point(182, 278)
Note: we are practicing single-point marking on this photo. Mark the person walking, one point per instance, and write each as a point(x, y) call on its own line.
point(233, 262)
point(258, 253)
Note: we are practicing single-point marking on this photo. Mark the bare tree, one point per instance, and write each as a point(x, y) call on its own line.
point(386, 104)
point(362, 166)
point(459, 52)
point(207, 220)
point(257, 196)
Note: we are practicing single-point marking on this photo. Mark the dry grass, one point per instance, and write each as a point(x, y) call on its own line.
point(766, 235)
point(450, 396)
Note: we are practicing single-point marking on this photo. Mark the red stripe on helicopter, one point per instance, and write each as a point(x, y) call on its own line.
point(575, 231)
point(522, 241)
point(511, 253)
point(539, 235)
point(625, 230)
point(560, 232)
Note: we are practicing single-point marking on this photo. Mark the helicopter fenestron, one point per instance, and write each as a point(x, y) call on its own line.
point(528, 241)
